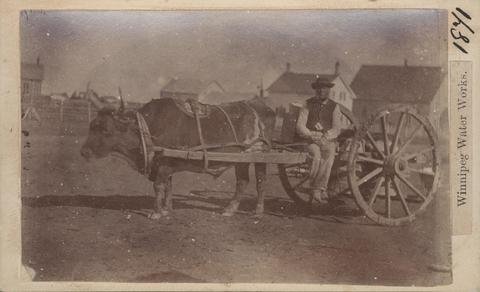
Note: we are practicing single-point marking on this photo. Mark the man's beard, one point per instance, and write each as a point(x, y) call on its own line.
point(321, 96)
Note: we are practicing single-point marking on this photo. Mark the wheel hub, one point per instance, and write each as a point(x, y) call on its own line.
point(393, 164)
point(389, 166)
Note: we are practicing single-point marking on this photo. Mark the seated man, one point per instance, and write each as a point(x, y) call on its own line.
point(319, 123)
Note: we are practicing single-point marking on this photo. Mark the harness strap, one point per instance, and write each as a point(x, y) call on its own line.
point(147, 143)
point(262, 134)
point(229, 122)
point(194, 106)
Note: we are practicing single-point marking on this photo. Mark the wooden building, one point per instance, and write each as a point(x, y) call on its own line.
point(292, 87)
point(190, 88)
point(380, 86)
point(225, 97)
point(31, 80)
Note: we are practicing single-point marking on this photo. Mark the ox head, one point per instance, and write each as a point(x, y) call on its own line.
point(112, 130)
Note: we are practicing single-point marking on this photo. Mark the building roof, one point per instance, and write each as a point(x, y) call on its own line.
point(32, 71)
point(193, 86)
point(109, 99)
point(216, 97)
point(397, 83)
point(298, 83)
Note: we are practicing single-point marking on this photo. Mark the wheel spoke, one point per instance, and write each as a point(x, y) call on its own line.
point(300, 183)
point(402, 199)
point(412, 187)
point(418, 153)
point(397, 132)
point(385, 132)
point(369, 176)
point(376, 190)
point(387, 197)
point(369, 159)
point(423, 171)
point(409, 140)
point(372, 141)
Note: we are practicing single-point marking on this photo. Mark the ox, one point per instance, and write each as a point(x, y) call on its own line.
point(117, 131)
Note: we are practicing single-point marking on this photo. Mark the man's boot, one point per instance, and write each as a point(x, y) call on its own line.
point(320, 195)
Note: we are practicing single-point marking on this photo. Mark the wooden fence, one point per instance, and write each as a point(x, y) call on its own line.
point(70, 117)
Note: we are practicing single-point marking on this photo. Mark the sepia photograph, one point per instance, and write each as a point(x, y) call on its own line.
point(236, 146)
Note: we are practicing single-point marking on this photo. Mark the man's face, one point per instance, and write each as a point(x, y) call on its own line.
point(323, 92)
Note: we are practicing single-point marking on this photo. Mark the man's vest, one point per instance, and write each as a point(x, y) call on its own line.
point(319, 112)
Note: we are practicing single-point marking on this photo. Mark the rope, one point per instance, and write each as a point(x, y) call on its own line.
point(229, 122)
point(146, 139)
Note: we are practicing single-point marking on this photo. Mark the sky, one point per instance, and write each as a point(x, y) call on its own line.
point(141, 50)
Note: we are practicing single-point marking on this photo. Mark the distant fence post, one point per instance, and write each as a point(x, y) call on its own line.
point(61, 110)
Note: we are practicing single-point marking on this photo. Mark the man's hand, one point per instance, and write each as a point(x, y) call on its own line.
point(318, 137)
point(332, 134)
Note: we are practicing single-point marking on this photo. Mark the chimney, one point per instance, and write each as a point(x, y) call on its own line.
point(405, 63)
point(260, 88)
point(337, 68)
point(288, 67)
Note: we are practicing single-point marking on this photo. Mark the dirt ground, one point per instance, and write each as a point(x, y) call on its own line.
point(83, 222)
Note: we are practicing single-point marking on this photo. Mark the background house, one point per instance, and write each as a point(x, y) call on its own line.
point(224, 97)
point(190, 88)
point(61, 97)
point(379, 86)
point(31, 80)
point(296, 87)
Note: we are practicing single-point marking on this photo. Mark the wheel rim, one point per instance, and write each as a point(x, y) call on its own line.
point(294, 179)
point(395, 175)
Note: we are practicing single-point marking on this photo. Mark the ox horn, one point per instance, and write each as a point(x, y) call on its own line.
point(90, 96)
point(122, 102)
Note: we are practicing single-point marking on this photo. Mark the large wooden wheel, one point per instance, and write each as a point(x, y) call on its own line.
point(295, 177)
point(395, 174)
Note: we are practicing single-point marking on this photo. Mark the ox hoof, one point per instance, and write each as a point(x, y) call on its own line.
point(259, 211)
point(155, 216)
point(231, 209)
point(258, 215)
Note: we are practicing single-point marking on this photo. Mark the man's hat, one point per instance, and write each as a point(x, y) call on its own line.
point(322, 82)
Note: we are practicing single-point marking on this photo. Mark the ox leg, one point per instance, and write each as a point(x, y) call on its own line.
point(159, 187)
point(241, 174)
point(261, 177)
point(168, 194)
point(163, 193)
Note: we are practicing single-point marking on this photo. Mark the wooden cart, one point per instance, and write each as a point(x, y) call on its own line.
point(389, 165)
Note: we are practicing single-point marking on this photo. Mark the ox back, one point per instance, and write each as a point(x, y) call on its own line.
point(173, 127)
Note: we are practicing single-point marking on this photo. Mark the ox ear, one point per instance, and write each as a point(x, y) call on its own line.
point(121, 110)
point(93, 98)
